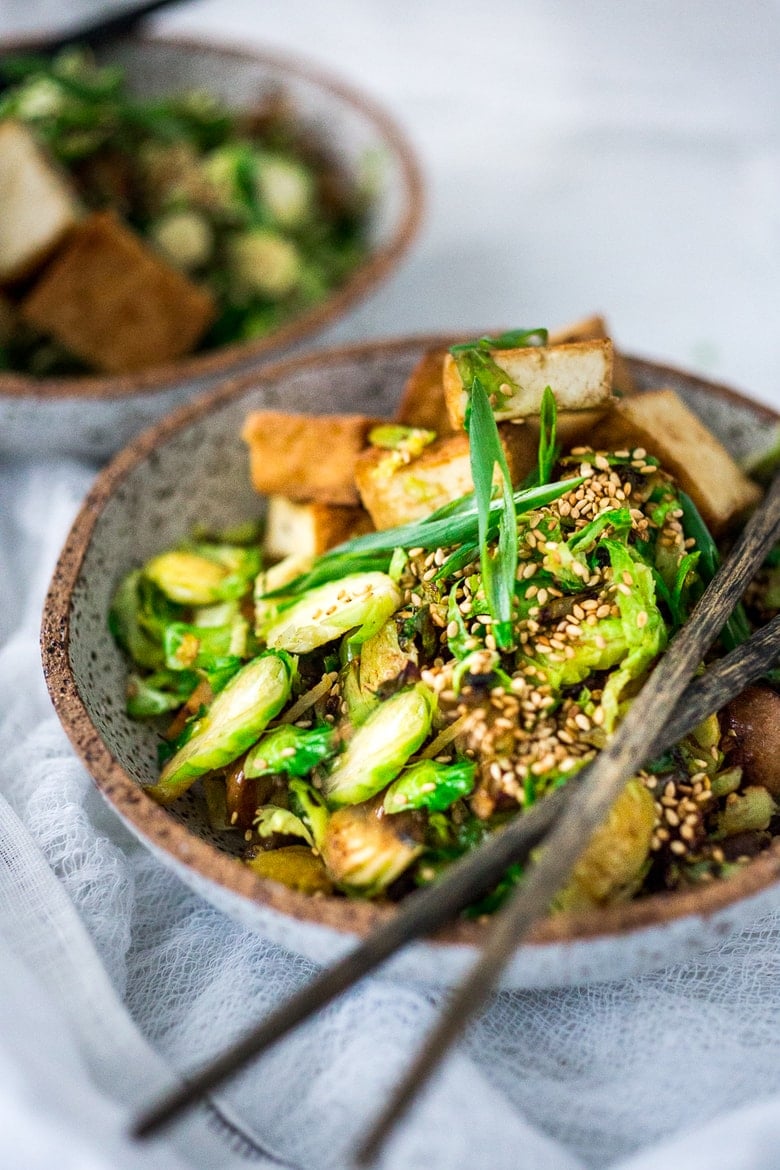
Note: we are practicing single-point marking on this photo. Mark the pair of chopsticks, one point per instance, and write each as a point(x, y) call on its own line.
point(670, 707)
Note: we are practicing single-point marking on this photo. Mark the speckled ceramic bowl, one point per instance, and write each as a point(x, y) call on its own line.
point(95, 415)
point(193, 468)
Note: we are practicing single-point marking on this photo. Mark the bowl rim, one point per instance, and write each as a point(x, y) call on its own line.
point(160, 830)
point(229, 359)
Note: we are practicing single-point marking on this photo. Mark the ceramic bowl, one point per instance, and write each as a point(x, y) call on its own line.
point(95, 415)
point(193, 468)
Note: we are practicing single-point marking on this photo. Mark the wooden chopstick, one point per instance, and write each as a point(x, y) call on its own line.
point(475, 874)
point(588, 806)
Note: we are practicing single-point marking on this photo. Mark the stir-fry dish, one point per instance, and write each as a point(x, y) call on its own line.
point(136, 229)
point(436, 630)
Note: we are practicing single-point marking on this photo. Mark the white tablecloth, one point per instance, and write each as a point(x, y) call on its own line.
point(579, 157)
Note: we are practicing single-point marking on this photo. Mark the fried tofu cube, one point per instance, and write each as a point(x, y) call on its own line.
point(306, 456)
point(661, 423)
point(591, 329)
point(396, 492)
point(113, 302)
point(311, 528)
point(579, 373)
point(37, 205)
point(422, 403)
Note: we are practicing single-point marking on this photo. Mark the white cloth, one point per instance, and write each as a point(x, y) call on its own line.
point(590, 156)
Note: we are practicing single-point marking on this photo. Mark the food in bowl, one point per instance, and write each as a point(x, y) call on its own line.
point(365, 708)
point(134, 231)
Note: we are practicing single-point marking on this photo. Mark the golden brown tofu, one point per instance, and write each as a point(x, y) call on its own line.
point(422, 403)
point(394, 492)
point(310, 529)
point(306, 456)
point(37, 204)
point(114, 303)
point(580, 375)
point(594, 328)
point(661, 423)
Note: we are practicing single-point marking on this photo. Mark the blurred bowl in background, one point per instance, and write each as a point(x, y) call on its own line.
point(95, 414)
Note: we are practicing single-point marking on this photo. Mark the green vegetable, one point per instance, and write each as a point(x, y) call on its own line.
point(184, 237)
point(263, 262)
point(231, 171)
point(204, 573)
point(294, 866)
point(379, 749)
point(629, 642)
point(642, 625)
point(382, 660)
point(614, 861)
point(748, 811)
point(365, 853)
point(430, 784)
point(737, 628)
point(410, 441)
point(549, 449)
point(566, 561)
point(138, 618)
point(499, 564)
point(291, 751)
point(191, 647)
point(308, 804)
point(158, 693)
point(286, 189)
point(271, 820)
point(232, 723)
point(358, 604)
